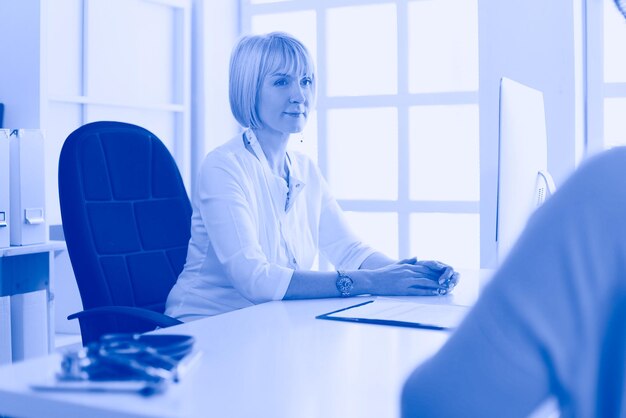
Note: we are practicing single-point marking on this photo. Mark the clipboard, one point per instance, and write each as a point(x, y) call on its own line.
point(390, 312)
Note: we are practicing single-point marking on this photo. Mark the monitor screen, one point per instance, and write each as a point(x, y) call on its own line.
point(523, 179)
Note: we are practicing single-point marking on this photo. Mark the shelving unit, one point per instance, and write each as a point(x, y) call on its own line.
point(23, 270)
point(78, 61)
point(87, 60)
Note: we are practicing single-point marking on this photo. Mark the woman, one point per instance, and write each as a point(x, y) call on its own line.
point(262, 213)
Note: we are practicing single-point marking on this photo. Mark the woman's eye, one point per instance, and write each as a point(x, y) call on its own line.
point(281, 82)
point(306, 81)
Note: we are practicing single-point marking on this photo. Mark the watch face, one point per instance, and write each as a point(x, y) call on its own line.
point(344, 285)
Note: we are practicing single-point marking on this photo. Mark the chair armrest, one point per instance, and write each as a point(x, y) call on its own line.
point(158, 319)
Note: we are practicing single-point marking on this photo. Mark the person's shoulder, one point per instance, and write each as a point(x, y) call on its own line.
point(225, 154)
point(224, 164)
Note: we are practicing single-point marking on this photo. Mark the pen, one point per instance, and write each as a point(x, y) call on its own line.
point(380, 321)
point(387, 322)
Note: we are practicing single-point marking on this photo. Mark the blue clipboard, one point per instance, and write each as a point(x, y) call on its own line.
point(421, 325)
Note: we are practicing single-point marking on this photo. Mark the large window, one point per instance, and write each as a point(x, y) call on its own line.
point(396, 127)
point(606, 85)
point(614, 76)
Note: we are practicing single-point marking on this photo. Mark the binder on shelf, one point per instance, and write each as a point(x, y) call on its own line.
point(5, 235)
point(29, 325)
point(27, 189)
point(5, 330)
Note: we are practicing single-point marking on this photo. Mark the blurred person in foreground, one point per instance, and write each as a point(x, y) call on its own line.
point(552, 322)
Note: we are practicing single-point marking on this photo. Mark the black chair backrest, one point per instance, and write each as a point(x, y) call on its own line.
point(126, 219)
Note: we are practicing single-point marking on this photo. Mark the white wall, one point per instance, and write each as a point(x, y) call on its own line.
point(20, 75)
point(533, 42)
point(215, 30)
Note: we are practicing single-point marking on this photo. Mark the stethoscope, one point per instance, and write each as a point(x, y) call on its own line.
point(150, 358)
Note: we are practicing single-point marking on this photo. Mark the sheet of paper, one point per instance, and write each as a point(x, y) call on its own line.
point(447, 316)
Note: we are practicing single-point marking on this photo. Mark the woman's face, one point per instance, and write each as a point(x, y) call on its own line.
point(284, 101)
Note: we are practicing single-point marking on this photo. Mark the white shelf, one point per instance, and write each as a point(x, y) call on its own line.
point(33, 249)
point(167, 107)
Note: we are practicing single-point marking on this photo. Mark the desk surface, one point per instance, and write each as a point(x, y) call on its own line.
point(270, 360)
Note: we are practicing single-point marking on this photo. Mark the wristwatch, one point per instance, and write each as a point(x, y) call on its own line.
point(344, 284)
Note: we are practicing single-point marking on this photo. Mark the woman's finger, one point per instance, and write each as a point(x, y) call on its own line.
point(446, 276)
point(412, 260)
point(425, 284)
point(453, 280)
point(423, 271)
point(426, 291)
point(433, 264)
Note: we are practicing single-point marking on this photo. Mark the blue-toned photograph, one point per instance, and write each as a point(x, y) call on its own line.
point(313, 208)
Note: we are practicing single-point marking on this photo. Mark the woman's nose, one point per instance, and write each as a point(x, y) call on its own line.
point(297, 95)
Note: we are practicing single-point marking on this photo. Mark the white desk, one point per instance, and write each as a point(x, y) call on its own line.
point(272, 360)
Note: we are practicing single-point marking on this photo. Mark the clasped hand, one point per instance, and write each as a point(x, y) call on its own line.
point(411, 277)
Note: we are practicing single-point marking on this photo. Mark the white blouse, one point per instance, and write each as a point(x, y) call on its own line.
point(250, 229)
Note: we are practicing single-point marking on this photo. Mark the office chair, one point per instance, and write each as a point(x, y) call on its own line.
point(126, 219)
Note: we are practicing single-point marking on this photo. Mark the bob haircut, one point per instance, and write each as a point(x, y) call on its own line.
point(253, 58)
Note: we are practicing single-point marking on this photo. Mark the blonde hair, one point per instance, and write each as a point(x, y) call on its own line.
point(252, 59)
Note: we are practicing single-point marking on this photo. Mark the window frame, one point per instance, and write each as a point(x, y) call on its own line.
point(403, 206)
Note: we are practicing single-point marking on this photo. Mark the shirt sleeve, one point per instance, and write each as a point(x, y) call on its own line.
point(338, 243)
point(232, 229)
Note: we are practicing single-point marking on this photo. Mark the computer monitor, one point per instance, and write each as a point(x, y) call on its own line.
point(523, 178)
